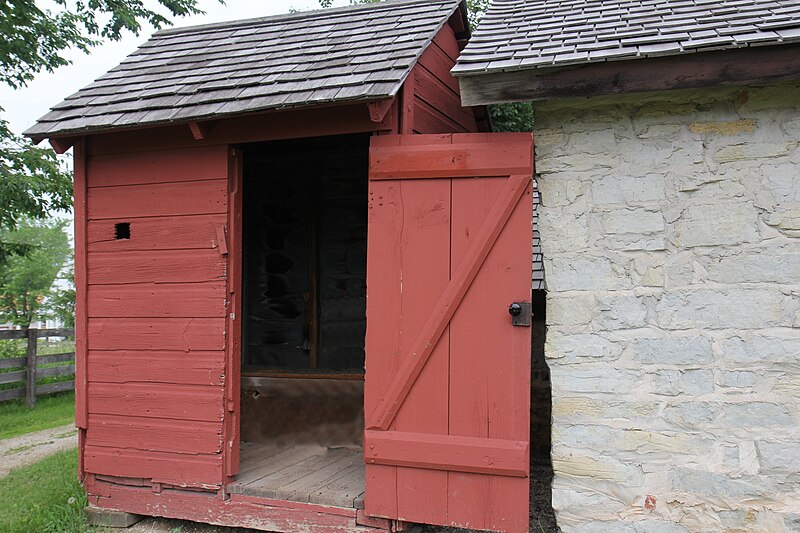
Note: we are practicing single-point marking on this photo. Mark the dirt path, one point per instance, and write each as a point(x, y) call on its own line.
point(32, 447)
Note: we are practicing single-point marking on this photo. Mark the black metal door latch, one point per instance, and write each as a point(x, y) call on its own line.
point(520, 313)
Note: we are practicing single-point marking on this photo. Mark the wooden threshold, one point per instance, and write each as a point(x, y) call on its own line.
point(302, 375)
point(301, 473)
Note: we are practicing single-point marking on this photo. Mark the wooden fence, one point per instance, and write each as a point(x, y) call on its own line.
point(27, 369)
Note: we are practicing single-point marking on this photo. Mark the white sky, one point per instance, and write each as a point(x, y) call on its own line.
point(24, 106)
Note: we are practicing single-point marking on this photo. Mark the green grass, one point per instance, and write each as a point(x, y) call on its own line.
point(44, 497)
point(51, 411)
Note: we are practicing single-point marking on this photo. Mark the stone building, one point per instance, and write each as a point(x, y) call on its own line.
point(667, 157)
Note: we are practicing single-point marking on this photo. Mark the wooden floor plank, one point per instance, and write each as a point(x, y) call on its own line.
point(300, 489)
point(312, 474)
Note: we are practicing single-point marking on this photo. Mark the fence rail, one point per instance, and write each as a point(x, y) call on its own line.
point(29, 368)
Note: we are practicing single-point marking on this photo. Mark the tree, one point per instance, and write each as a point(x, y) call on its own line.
point(26, 280)
point(60, 304)
point(517, 116)
point(32, 181)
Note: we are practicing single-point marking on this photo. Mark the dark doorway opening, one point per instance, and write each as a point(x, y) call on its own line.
point(305, 205)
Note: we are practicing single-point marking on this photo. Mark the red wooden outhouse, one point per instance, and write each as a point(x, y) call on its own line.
point(304, 278)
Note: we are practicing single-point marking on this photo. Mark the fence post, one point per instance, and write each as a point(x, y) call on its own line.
point(30, 371)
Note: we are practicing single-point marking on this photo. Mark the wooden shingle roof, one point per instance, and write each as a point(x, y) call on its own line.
point(356, 53)
point(527, 34)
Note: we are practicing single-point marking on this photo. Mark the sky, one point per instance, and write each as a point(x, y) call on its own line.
point(24, 106)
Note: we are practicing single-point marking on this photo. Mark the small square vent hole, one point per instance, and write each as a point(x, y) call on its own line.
point(122, 230)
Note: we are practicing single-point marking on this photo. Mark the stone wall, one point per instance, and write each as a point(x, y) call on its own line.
point(670, 229)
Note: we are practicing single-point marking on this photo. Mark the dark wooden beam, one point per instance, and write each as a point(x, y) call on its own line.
point(62, 144)
point(379, 109)
point(199, 130)
point(765, 64)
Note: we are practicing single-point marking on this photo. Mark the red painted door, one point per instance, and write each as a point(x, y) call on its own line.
point(447, 393)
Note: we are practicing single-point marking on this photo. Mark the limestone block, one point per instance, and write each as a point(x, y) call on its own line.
point(563, 229)
point(598, 378)
point(648, 270)
point(674, 350)
point(616, 526)
point(721, 309)
point(621, 312)
point(584, 273)
point(571, 408)
point(783, 180)
point(658, 526)
point(786, 219)
point(675, 382)
point(638, 221)
point(758, 266)
point(747, 415)
point(751, 151)
point(557, 192)
point(779, 456)
point(731, 127)
point(573, 348)
point(628, 190)
point(576, 465)
point(738, 379)
point(718, 488)
point(715, 224)
point(573, 309)
point(762, 349)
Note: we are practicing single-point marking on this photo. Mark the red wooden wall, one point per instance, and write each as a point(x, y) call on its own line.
point(155, 308)
point(431, 99)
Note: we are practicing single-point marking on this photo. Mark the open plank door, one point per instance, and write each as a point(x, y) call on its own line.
point(447, 392)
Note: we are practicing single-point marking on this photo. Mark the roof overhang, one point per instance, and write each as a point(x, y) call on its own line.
point(743, 66)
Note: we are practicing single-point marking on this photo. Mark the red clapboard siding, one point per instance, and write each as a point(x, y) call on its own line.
point(428, 119)
point(158, 400)
point(178, 300)
point(162, 266)
point(184, 436)
point(122, 366)
point(439, 64)
point(160, 233)
point(158, 199)
point(180, 334)
point(175, 469)
point(441, 100)
point(158, 166)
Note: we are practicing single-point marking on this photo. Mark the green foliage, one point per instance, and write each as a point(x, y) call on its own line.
point(60, 305)
point(26, 280)
point(32, 181)
point(517, 116)
point(44, 497)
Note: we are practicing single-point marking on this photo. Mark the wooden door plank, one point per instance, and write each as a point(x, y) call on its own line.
point(156, 233)
point(448, 303)
point(382, 343)
point(149, 300)
point(425, 272)
point(449, 161)
point(448, 452)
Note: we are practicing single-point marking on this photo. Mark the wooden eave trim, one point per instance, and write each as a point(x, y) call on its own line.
point(60, 144)
point(756, 65)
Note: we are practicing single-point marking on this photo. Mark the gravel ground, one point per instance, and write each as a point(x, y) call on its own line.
point(33, 447)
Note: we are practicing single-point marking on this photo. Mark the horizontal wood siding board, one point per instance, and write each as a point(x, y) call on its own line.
point(11, 377)
point(464, 160)
point(439, 98)
point(167, 401)
point(446, 40)
point(447, 452)
point(156, 233)
point(187, 368)
point(50, 388)
point(203, 471)
point(158, 199)
point(171, 334)
point(162, 266)
point(237, 511)
point(439, 64)
point(158, 166)
point(152, 434)
point(149, 300)
point(14, 362)
point(55, 358)
point(428, 119)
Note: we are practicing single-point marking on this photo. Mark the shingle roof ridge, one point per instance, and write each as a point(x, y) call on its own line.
point(298, 15)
